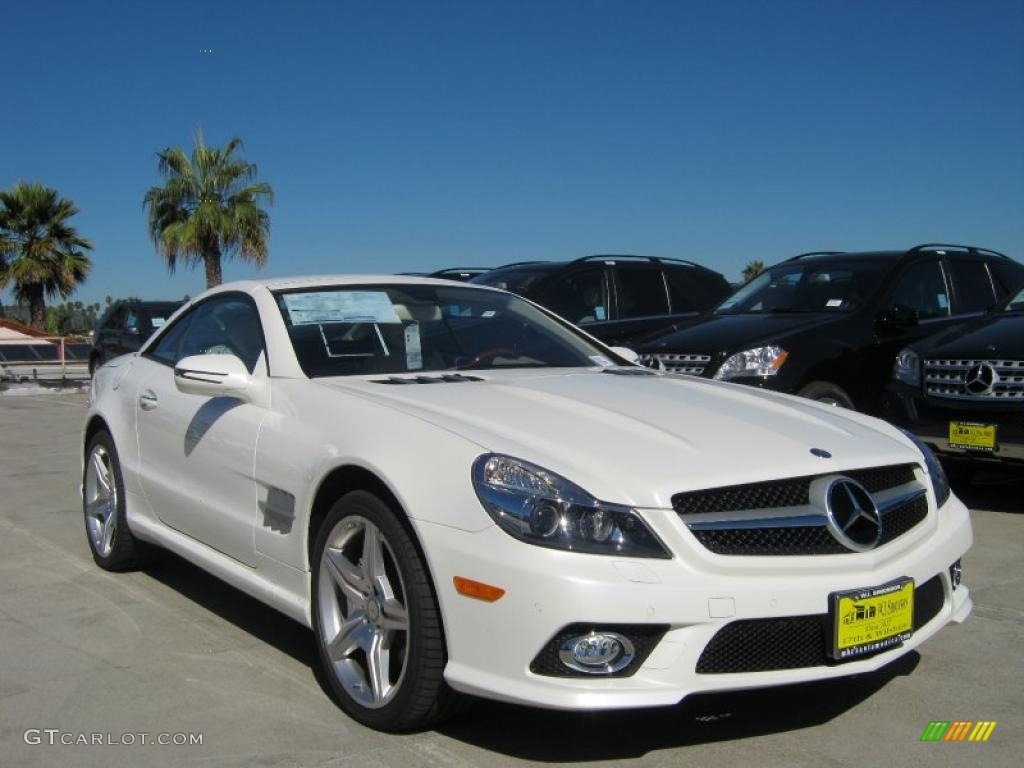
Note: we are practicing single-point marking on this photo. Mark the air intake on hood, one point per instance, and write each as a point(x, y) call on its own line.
point(442, 379)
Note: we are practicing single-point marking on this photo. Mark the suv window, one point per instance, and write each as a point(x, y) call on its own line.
point(973, 286)
point(116, 319)
point(131, 322)
point(579, 297)
point(922, 288)
point(641, 291)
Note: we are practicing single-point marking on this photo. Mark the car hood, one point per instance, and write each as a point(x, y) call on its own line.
point(731, 333)
point(1000, 335)
point(638, 439)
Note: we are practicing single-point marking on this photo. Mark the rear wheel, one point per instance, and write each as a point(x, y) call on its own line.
point(828, 393)
point(376, 618)
point(106, 526)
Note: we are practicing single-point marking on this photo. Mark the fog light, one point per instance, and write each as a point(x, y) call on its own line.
point(597, 653)
point(956, 572)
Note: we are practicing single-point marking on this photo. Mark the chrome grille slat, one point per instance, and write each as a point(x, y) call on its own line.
point(946, 377)
point(692, 365)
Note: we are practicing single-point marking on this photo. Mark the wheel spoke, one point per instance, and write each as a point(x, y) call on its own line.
point(378, 658)
point(108, 530)
point(352, 635)
point(96, 508)
point(396, 618)
point(373, 556)
point(100, 469)
point(347, 576)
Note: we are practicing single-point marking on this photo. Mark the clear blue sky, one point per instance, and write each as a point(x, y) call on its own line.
point(417, 135)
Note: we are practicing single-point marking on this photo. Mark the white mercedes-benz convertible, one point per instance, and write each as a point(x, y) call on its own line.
point(460, 492)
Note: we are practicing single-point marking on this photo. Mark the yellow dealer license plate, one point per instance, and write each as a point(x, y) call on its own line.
point(870, 620)
point(972, 436)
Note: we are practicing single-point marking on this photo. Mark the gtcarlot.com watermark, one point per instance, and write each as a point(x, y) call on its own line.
point(56, 737)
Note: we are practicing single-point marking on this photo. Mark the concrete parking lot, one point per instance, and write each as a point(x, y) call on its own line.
point(172, 650)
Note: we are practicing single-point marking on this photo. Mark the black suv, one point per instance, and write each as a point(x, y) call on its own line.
point(962, 391)
point(828, 325)
point(615, 298)
point(125, 326)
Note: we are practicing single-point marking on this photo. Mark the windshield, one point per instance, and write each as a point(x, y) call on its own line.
point(1016, 304)
point(394, 329)
point(518, 280)
point(796, 287)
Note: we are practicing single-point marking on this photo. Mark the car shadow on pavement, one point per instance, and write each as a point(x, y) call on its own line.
point(996, 489)
point(547, 736)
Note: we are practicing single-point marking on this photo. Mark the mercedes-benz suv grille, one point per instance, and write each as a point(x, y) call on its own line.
point(961, 379)
point(692, 365)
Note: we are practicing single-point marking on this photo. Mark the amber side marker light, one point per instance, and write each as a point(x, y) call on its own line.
point(478, 589)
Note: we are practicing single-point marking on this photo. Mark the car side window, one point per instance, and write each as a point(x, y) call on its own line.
point(922, 288)
point(167, 347)
point(973, 286)
point(641, 291)
point(579, 297)
point(116, 319)
point(225, 325)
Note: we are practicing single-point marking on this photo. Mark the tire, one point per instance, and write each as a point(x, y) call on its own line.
point(103, 504)
point(828, 393)
point(360, 606)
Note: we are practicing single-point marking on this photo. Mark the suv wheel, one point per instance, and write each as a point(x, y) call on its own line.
point(828, 393)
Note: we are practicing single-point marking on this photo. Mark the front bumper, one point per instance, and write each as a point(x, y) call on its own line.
point(491, 645)
point(929, 419)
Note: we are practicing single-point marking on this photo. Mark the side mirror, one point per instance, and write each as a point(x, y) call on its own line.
point(627, 353)
point(216, 375)
point(898, 317)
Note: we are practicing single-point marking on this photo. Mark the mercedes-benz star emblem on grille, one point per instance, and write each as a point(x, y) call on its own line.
point(852, 515)
point(980, 379)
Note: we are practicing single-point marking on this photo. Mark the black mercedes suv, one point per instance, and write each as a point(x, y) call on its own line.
point(828, 325)
point(125, 326)
point(615, 298)
point(962, 391)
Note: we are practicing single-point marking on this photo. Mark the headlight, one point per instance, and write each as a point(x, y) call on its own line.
point(907, 367)
point(540, 507)
point(940, 483)
point(759, 361)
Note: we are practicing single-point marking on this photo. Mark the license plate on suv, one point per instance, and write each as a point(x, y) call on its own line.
point(873, 619)
point(972, 436)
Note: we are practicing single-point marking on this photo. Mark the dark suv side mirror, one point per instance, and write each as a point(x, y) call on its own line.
point(898, 317)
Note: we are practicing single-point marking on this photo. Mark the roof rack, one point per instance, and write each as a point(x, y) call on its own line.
point(651, 259)
point(520, 263)
point(944, 246)
point(814, 253)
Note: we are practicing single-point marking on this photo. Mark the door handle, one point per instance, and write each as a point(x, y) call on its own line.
point(147, 400)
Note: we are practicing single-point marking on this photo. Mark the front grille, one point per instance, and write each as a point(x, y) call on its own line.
point(783, 493)
point(963, 379)
point(793, 642)
point(771, 539)
point(692, 365)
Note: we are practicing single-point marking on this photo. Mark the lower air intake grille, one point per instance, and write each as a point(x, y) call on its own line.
point(793, 642)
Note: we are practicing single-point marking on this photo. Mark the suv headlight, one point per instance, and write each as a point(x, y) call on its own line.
point(542, 508)
point(759, 361)
point(907, 367)
point(940, 483)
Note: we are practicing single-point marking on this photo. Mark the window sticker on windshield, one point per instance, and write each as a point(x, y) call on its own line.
point(834, 303)
point(340, 307)
point(157, 322)
point(942, 300)
point(413, 352)
point(601, 360)
point(489, 313)
point(599, 313)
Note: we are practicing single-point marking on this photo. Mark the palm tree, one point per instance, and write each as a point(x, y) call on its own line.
point(209, 208)
point(752, 270)
point(40, 253)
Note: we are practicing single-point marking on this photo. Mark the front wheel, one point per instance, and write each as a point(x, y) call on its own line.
point(828, 393)
point(376, 618)
point(103, 500)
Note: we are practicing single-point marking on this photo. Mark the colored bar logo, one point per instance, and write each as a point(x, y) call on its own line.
point(958, 730)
